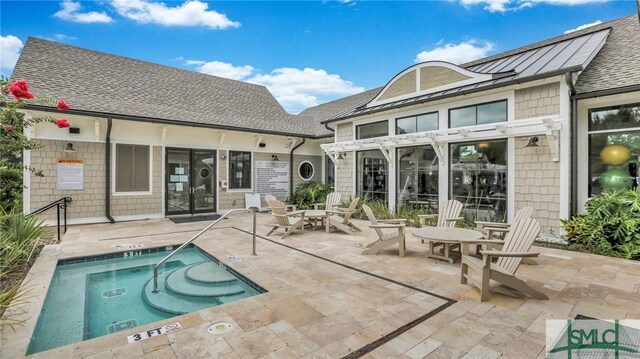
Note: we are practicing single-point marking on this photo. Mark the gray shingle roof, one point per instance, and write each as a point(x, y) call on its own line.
point(618, 63)
point(99, 82)
point(334, 108)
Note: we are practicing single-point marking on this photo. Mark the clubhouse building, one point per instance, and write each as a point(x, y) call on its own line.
point(546, 125)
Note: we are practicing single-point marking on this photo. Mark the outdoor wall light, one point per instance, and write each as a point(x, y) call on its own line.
point(341, 156)
point(69, 148)
point(533, 142)
point(223, 157)
point(274, 158)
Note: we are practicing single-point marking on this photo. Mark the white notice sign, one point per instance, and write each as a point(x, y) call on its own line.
point(272, 177)
point(70, 173)
point(153, 332)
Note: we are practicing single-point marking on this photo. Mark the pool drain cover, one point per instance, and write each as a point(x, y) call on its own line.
point(114, 292)
point(220, 328)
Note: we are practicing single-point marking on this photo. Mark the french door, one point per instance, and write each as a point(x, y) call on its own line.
point(190, 181)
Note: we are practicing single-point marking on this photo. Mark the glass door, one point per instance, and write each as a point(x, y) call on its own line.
point(204, 181)
point(190, 181)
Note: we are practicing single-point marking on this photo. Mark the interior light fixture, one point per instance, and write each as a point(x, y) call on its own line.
point(69, 148)
point(533, 142)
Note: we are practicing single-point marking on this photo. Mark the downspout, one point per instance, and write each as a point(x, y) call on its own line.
point(573, 197)
point(291, 161)
point(107, 151)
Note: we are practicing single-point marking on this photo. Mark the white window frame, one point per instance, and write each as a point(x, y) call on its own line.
point(114, 160)
point(313, 171)
point(253, 170)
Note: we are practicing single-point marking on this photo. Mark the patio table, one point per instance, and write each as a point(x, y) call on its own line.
point(315, 216)
point(449, 237)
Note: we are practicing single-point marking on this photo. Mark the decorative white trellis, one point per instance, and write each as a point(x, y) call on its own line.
point(549, 126)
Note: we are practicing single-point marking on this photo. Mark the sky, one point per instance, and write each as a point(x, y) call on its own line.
point(305, 52)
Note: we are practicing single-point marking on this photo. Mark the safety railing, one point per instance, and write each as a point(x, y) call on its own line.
point(59, 204)
point(253, 251)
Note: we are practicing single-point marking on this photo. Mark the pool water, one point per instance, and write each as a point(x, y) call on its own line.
point(104, 295)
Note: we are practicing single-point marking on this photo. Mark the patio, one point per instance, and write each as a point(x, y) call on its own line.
point(326, 300)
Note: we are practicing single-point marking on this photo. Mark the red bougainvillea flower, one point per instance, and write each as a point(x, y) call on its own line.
point(62, 105)
point(9, 128)
point(62, 123)
point(20, 89)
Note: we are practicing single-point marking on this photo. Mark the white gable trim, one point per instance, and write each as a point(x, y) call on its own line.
point(474, 78)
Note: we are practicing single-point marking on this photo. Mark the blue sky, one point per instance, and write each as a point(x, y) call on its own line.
point(305, 52)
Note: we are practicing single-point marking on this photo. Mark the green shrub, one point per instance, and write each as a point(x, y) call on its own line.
point(18, 237)
point(610, 226)
point(308, 193)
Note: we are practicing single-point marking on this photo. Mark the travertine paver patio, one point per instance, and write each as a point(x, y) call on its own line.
point(316, 308)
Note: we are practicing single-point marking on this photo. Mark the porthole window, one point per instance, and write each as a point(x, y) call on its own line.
point(305, 170)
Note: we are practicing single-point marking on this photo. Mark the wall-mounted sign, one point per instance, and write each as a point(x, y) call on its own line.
point(70, 173)
point(272, 177)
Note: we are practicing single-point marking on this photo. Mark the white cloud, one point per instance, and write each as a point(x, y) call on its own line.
point(10, 49)
point(511, 5)
point(491, 5)
point(298, 89)
point(221, 69)
point(456, 53)
point(295, 89)
point(60, 37)
point(597, 22)
point(71, 12)
point(190, 13)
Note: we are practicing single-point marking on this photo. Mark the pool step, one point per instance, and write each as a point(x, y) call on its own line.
point(178, 283)
point(208, 272)
point(173, 303)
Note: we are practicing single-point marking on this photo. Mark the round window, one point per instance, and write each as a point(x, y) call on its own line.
point(305, 170)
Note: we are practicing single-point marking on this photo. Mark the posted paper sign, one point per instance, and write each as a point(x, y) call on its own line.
point(70, 173)
point(153, 332)
point(272, 177)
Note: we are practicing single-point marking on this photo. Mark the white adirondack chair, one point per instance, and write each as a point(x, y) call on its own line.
point(516, 247)
point(449, 214)
point(385, 239)
point(291, 221)
point(489, 228)
point(340, 218)
point(333, 200)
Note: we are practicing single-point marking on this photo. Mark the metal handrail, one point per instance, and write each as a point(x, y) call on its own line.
point(253, 252)
point(61, 203)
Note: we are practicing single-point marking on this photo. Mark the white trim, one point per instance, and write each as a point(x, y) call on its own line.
point(527, 127)
point(511, 178)
point(241, 190)
point(163, 176)
point(565, 155)
point(113, 172)
point(474, 78)
point(313, 170)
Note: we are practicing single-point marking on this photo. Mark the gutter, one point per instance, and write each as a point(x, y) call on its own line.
point(107, 187)
point(291, 161)
point(608, 92)
point(170, 122)
point(573, 191)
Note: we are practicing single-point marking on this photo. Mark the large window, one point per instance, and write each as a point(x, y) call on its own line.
point(370, 130)
point(614, 148)
point(478, 114)
point(417, 177)
point(372, 175)
point(132, 168)
point(419, 123)
point(478, 179)
point(239, 170)
point(330, 173)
